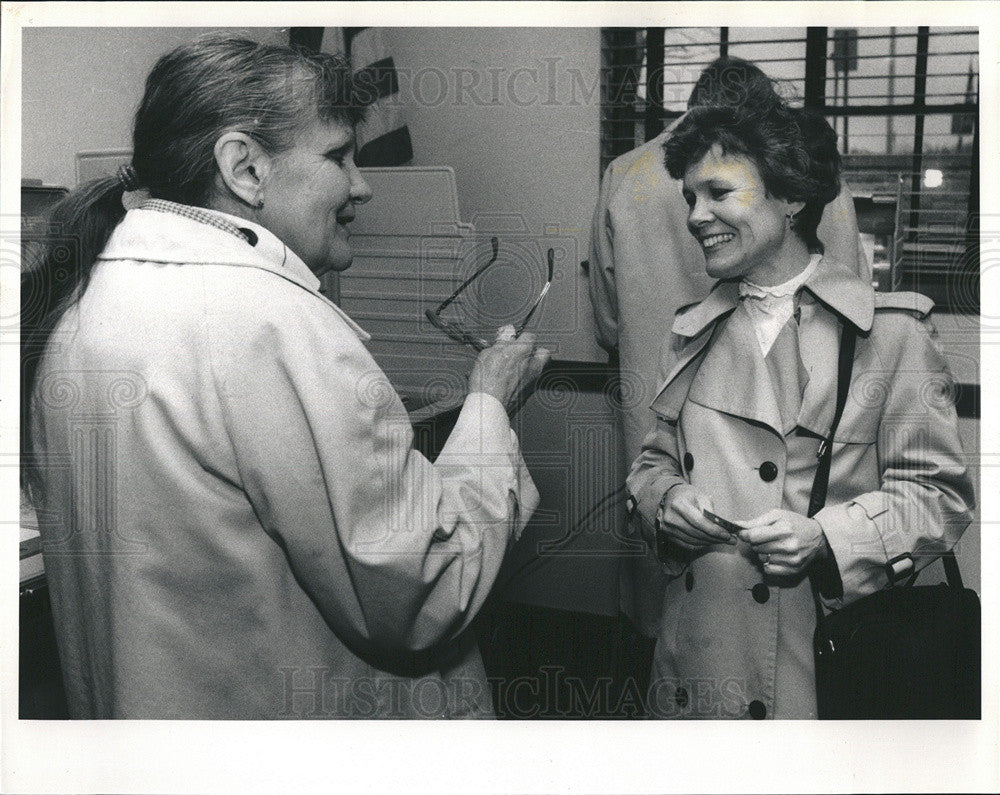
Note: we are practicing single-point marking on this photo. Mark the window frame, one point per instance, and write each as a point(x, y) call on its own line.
point(628, 119)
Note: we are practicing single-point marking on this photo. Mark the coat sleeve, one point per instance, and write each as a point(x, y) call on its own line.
point(925, 498)
point(601, 273)
point(655, 471)
point(838, 231)
point(397, 553)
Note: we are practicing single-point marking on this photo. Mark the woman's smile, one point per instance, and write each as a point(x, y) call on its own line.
point(344, 218)
point(312, 193)
point(713, 241)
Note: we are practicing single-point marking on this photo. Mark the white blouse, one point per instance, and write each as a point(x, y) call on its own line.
point(771, 307)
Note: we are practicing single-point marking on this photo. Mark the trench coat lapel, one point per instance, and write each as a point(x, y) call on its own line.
point(694, 327)
point(832, 293)
point(733, 377)
point(674, 391)
point(819, 339)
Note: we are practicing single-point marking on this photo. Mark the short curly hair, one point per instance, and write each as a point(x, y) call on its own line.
point(794, 150)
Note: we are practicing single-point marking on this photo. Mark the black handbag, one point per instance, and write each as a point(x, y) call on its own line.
point(905, 652)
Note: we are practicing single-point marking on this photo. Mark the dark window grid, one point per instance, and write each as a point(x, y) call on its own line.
point(897, 37)
point(698, 65)
point(901, 110)
point(934, 248)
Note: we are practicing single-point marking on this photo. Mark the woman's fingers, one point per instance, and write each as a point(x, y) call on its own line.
point(508, 369)
point(785, 542)
point(694, 515)
point(765, 529)
point(686, 523)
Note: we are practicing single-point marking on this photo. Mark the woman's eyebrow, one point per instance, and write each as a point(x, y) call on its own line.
point(340, 151)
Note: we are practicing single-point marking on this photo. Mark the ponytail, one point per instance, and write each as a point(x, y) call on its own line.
point(54, 278)
point(193, 95)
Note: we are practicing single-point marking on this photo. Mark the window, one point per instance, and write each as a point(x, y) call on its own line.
point(904, 103)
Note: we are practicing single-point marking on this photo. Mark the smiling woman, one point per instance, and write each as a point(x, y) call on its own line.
point(756, 183)
point(747, 399)
point(247, 531)
point(742, 229)
point(305, 195)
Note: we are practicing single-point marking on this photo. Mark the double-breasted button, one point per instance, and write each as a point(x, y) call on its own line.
point(688, 462)
point(768, 471)
point(689, 580)
point(681, 697)
point(757, 710)
point(761, 593)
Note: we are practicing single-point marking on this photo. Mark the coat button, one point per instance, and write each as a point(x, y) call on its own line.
point(768, 471)
point(757, 710)
point(761, 593)
point(681, 697)
point(688, 462)
point(689, 580)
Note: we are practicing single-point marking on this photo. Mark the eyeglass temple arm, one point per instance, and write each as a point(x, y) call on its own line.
point(495, 244)
point(455, 333)
point(541, 295)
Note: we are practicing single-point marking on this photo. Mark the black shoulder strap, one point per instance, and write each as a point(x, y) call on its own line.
point(951, 571)
point(817, 498)
point(845, 364)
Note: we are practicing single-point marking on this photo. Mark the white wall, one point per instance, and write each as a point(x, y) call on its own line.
point(524, 144)
point(515, 111)
point(80, 88)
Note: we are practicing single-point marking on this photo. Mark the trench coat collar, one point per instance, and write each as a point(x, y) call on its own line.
point(732, 376)
point(154, 236)
point(693, 320)
point(844, 293)
point(834, 285)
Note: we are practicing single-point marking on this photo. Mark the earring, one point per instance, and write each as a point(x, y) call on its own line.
point(260, 204)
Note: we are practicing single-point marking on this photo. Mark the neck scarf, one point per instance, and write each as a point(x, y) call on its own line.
point(771, 307)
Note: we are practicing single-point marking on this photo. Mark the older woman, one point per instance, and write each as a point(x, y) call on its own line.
point(748, 394)
point(234, 521)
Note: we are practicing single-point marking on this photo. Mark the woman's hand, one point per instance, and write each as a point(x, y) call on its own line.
point(681, 518)
point(786, 542)
point(508, 370)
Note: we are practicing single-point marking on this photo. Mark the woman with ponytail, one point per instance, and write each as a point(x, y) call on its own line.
point(234, 521)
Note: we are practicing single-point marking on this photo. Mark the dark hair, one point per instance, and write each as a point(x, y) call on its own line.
point(732, 82)
point(193, 95)
point(794, 150)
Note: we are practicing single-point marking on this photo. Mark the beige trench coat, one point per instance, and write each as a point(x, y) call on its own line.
point(236, 524)
point(732, 642)
point(644, 266)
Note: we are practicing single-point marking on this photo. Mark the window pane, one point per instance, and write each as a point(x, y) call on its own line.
point(686, 51)
point(895, 141)
point(779, 52)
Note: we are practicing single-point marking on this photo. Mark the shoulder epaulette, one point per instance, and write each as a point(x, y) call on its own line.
point(918, 304)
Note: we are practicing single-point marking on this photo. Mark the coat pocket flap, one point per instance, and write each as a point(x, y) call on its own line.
point(874, 503)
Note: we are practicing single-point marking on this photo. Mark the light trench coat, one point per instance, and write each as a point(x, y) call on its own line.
point(733, 642)
point(644, 266)
point(235, 522)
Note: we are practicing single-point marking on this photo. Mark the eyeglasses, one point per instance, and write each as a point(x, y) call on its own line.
point(459, 334)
